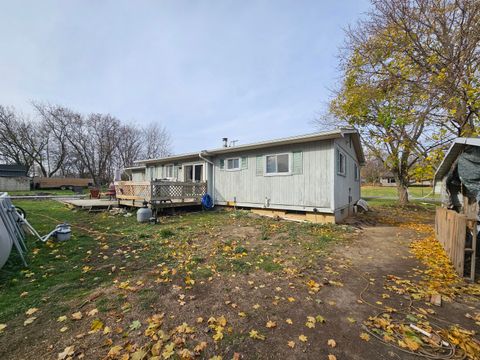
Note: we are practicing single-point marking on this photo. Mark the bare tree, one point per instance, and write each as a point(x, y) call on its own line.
point(19, 139)
point(157, 141)
point(129, 146)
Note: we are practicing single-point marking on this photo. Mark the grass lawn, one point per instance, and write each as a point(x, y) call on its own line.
point(387, 191)
point(121, 273)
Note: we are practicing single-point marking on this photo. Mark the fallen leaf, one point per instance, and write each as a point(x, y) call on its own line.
point(114, 351)
point(31, 311)
point(92, 312)
point(62, 318)
point(135, 325)
point(289, 321)
point(29, 320)
point(302, 338)
point(169, 351)
point(254, 334)
point(77, 316)
point(291, 344)
point(365, 336)
point(69, 351)
point(63, 329)
point(271, 324)
point(332, 343)
point(2, 327)
point(97, 325)
point(351, 320)
point(332, 357)
point(200, 347)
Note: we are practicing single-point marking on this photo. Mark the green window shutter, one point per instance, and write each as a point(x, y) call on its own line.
point(244, 162)
point(297, 167)
point(222, 164)
point(259, 170)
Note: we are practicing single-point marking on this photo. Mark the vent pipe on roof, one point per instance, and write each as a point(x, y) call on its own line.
point(225, 142)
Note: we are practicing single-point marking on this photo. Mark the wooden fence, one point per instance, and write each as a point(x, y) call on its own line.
point(451, 230)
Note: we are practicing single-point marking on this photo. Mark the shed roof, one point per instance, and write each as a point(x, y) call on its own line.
point(453, 152)
point(317, 136)
point(14, 170)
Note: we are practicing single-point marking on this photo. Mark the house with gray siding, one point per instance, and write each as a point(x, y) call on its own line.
point(317, 174)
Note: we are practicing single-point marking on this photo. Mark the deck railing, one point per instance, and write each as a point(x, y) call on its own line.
point(158, 190)
point(174, 190)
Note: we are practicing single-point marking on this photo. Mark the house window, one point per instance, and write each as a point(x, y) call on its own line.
point(169, 171)
point(357, 172)
point(341, 163)
point(277, 164)
point(233, 164)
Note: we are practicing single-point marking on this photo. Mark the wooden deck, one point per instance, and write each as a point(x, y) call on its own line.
point(91, 204)
point(160, 194)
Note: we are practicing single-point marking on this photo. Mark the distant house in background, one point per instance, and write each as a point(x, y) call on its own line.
point(387, 179)
point(14, 178)
point(317, 174)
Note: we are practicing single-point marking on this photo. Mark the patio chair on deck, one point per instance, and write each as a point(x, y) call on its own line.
point(94, 193)
point(111, 192)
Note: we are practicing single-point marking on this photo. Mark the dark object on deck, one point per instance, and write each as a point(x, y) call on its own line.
point(94, 193)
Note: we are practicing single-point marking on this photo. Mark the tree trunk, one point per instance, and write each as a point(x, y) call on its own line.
point(402, 190)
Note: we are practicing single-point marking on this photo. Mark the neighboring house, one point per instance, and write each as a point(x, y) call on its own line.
point(316, 173)
point(387, 179)
point(14, 178)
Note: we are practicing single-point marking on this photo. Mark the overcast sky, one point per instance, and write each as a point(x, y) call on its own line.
point(247, 70)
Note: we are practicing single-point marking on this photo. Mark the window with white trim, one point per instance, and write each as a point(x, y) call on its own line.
point(341, 163)
point(277, 164)
point(233, 164)
point(169, 171)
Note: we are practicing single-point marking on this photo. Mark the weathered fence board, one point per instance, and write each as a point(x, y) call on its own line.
point(451, 231)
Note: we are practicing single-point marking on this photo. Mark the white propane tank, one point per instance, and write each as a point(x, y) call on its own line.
point(63, 232)
point(144, 213)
